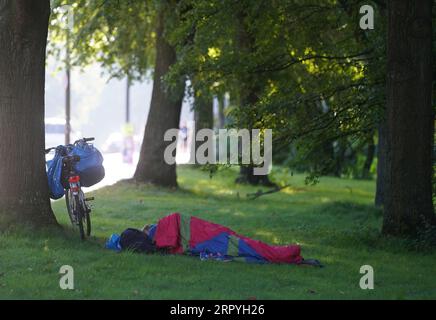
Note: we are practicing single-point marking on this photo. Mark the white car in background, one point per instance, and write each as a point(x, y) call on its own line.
point(55, 132)
point(115, 143)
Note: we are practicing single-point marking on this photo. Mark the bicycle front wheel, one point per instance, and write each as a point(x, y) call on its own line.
point(71, 207)
point(78, 212)
point(84, 217)
point(80, 224)
point(87, 219)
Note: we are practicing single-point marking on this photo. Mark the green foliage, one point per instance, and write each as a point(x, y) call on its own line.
point(318, 79)
point(118, 35)
point(301, 68)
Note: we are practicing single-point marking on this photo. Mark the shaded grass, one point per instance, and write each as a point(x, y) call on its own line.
point(333, 221)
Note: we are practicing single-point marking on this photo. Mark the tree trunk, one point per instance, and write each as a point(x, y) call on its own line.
point(68, 90)
point(221, 108)
point(370, 152)
point(249, 90)
point(339, 157)
point(382, 143)
point(381, 165)
point(24, 195)
point(128, 85)
point(203, 114)
point(165, 108)
point(408, 205)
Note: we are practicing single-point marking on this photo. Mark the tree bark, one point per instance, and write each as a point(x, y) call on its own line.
point(164, 114)
point(24, 195)
point(408, 205)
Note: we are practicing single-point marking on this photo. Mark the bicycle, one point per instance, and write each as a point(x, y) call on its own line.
point(77, 206)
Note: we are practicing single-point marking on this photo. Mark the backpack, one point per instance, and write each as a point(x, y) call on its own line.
point(54, 174)
point(136, 240)
point(90, 167)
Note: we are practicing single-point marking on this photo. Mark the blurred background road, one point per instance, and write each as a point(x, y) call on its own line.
point(98, 109)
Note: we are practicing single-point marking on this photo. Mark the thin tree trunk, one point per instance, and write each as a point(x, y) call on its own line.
point(164, 114)
point(339, 157)
point(68, 91)
point(249, 90)
point(370, 152)
point(128, 84)
point(408, 205)
point(382, 143)
point(24, 196)
point(203, 114)
point(221, 108)
point(381, 165)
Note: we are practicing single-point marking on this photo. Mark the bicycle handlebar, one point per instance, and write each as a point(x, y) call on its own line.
point(49, 149)
point(84, 140)
point(75, 142)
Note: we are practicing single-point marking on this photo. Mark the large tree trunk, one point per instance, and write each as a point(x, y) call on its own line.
point(410, 118)
point(164, 114)
point(381, 165)
point(24, 195)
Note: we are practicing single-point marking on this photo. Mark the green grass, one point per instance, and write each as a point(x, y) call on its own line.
point(333, 221)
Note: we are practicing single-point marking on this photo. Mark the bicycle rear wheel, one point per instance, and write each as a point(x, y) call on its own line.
point(71, 207)
point(80, 224)
point(85, 217)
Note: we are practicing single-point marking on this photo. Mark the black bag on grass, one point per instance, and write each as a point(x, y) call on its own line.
point(137, 241)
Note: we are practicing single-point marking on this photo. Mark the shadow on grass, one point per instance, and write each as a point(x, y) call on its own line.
point(61, 236)
point(353, 225)
point(350, 209)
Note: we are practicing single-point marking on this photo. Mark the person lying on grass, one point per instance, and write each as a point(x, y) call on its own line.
point(181, 234)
